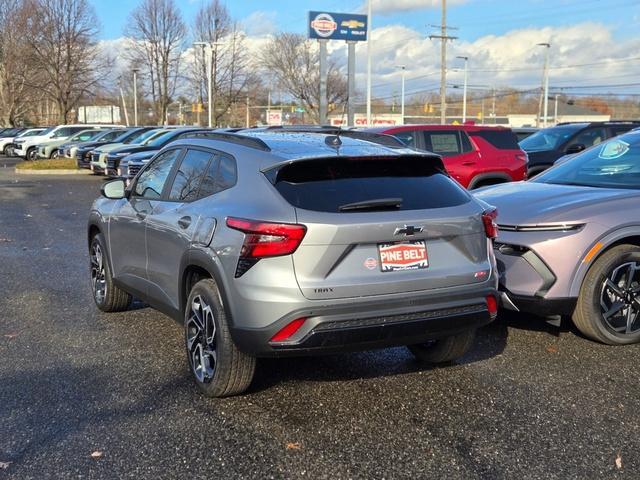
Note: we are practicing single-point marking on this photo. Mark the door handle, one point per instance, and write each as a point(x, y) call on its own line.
point(184, 222)
point(468, 164)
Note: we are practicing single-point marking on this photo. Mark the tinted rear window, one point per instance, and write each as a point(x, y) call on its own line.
point(327, 184)
point(501, 139)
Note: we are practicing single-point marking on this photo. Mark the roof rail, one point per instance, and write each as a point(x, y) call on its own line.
point(379, 138)
point(244, 140)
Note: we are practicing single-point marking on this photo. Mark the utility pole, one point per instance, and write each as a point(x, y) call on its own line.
point(555, 110)
point(135, 96)
point(444, 38)
point(493, 105)
point(323, 81)
point(403, 69)
point(248, 118)
point(369, 53)
point(464, 89)
point(545, 82)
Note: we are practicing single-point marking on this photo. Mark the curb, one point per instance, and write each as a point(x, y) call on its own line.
point(24, 171)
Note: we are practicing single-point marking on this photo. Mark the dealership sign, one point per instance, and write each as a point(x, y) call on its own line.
point(337, 26)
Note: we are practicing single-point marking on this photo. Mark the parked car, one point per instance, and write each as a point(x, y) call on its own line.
point(547, 145)
point(99, 155)
point(7, 143)
point(524, 132)
point(70, 148)
point(474, 155)
point(83, 151)
point(11, 132)
point(271, 244)
point(575, 248)
point(153, 145)
point(27, 147)
point(133, 163)
point(51, 148)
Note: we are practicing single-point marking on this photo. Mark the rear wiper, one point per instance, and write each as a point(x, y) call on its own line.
point(375, 204)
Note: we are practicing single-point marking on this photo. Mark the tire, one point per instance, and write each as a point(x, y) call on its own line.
point(444, 350)
point(107, 296)
point(55, 154)
point(6, 150)
point(608, 307)
point(31, 154)
point(217, 366)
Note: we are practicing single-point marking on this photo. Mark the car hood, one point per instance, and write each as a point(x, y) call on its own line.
point(132, 149)
point(533, 203)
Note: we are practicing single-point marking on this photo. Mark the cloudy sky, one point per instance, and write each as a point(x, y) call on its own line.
point(595, 43)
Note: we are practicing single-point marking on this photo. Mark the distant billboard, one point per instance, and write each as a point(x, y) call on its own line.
point(337, 26)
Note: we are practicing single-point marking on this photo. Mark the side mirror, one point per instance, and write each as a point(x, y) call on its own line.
point(113, 190)
point(575, 148)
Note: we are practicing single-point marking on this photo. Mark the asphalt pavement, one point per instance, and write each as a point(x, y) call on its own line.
point(90, 395)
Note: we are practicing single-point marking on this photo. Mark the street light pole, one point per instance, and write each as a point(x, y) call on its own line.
point(403, 69)
point(369, 40)
point(135, 96)
point(464, 90)
point(555, 110)
point(208, 49)
point(546, 82)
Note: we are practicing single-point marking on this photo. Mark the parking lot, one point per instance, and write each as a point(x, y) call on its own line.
point(91, 395)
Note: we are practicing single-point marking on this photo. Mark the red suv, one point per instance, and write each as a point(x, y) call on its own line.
point(476, 156)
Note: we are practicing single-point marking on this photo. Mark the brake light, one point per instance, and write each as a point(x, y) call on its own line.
point(490, 226)
point(288, 330)
point(264, 239)
point(492, 305)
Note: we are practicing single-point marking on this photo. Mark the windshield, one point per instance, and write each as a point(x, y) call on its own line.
point(549, 138)
point(31, 133)
point(86, 135)
point(142, 137)
point(162, 137)
point(47, 131)
point(613, 164)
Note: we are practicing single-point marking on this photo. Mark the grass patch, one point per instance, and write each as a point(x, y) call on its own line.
point(56, 164)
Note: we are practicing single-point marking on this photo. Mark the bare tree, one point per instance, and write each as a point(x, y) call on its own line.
point(158, 34)
point(230, 63)
point(293, 60)
point(62, 41)
point(15, 94)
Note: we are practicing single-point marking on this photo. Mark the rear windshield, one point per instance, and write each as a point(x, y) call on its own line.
point(394, 183)
point(500, 139)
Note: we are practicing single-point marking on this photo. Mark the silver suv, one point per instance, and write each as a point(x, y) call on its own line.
point(288, 243)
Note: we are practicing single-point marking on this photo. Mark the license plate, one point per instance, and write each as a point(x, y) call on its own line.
point(403, 256)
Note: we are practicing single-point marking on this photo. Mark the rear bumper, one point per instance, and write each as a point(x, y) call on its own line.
point(537, 305)
point(366, 326)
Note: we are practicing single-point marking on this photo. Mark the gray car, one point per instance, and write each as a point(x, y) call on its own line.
point(569, 241)
point(274, 244)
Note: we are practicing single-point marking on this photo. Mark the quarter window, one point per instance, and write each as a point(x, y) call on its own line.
point(152, 180)
point(187, 181)
point(221, 175)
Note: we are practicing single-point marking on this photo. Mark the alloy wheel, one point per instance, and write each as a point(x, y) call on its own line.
point(620, 299)
point(98, 276)
point(201, 340)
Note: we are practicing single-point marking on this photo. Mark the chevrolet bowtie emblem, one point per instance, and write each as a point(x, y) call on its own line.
point(408, 230)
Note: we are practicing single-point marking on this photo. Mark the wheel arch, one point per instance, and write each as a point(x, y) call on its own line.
point(196, 265)
point(627, 235)
point(499, 177)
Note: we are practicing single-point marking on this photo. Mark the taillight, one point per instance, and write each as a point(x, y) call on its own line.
point(492, 305)
point(286, 332)
point(263, 239)
point(490, 226)
point(522, 157)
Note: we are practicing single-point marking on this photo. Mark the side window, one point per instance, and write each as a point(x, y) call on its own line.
point(589, 137)
point(187, 181)
point(619, 130)
point(151, 181)
point(445, 143)
point(112, 135)
point(85, 136)
point(222, 174)
point(407, 137)
point(465, 142)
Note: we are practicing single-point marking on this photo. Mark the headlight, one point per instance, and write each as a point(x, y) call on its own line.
point(122, 154)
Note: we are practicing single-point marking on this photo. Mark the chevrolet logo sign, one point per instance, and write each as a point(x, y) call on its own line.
point(408, 230)
point(352, 24)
